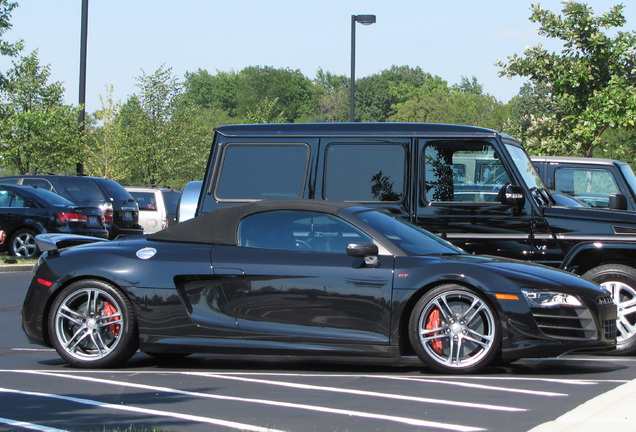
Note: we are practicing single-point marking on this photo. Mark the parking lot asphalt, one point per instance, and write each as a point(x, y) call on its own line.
point(611, 411)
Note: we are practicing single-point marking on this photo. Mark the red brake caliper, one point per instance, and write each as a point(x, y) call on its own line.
point(434, 322)
point(109, 310)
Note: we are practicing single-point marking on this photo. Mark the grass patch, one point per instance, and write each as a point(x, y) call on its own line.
point(8, 260)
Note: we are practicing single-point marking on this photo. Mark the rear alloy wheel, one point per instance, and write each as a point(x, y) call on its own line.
point(454, 330)
point(22, 243)
point(620, 281)
point(92, 324)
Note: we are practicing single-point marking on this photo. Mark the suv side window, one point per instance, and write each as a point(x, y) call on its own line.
point(299, 231)
point(262, 171)
point(465, 171)
point(591, 186)
point(365, 172)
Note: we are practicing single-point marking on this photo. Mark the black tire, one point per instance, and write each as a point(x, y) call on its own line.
point(92, 324)
point(620, 281)
point(22, 243)
point(453, 329)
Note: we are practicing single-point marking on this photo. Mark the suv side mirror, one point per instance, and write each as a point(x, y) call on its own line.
point(617, 202)
point(513, 196)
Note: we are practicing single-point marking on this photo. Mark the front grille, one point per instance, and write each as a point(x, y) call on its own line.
point(609, 328)
point(565, 323)
point(603, 301)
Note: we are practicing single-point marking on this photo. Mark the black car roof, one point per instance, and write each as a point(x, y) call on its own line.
point(221, 226)
point(352, 129)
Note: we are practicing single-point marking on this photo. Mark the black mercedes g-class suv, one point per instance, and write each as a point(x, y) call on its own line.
point(475, 187)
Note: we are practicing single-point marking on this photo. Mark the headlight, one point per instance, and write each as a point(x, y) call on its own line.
point(550, 299)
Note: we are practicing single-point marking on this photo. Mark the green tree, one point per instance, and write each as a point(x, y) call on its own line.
point(591, 82)
point(37, 131)
point(103, 157)
point(332, 98)
point(10, 49)
point(440, 106)
point(163, 138)
point(377, 96)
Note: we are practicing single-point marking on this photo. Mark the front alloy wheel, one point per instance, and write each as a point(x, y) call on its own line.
point(620, 281)
point(92, 324)
point(454, 330)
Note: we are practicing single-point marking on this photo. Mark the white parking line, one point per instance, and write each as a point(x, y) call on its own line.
point(361, 392)
point(349, 413)
point(30, 426)
point(200, 419)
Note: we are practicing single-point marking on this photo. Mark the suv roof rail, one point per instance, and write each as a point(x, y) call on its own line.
point(39, 173)
point(158, 186)
point(71, 173)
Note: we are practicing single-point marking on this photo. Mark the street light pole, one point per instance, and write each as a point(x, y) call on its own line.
point(82, 74)
point(364, 20)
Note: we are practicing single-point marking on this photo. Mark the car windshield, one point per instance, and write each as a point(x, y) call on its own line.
point(629, 176)
point(51, 198)
point(525, 167)
point(412, 239)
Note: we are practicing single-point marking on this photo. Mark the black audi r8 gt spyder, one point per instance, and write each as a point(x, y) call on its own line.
point(305, 278)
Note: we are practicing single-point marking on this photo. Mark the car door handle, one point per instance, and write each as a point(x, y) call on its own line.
point(225, 271)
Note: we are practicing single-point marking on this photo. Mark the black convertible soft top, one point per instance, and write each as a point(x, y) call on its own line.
point(221, 226)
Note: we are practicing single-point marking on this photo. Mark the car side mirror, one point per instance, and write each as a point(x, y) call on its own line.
point(617, 202)
point(513, 196)
point(367, 250)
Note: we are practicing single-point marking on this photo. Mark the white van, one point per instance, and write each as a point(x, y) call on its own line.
point(157, 206)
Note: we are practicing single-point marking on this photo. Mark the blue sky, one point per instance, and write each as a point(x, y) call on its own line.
point(451, 38)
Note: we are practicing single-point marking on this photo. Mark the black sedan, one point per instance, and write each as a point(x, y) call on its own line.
point(26, 211)
point(305, 278)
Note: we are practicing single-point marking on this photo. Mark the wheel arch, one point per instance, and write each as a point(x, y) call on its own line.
point(586, 256)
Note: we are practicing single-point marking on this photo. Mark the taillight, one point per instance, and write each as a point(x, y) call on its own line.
point(71, 217)
point(107, 209)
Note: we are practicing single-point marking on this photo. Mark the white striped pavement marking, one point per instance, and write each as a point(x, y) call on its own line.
point(30, 426)
point(361, 392)
point(349, 413)
point(139, 410)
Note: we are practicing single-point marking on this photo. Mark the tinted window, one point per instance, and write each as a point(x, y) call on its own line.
point(299, 231)
point(81, 190)
point(10, 199)
point(252, 172)
point(113, 189)
point(171, 199)
point(365, 172)
point(50, 198)
point(593, 187)
point(466, 171)
point(39, 183)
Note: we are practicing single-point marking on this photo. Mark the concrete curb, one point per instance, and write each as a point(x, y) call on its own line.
point(15, 268)
point(611, 411)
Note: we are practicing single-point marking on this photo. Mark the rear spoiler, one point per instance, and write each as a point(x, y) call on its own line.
point(50, 242)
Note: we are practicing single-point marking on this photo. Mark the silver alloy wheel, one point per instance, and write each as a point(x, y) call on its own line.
point(625, 298)
point(457, 329)
point(24, 244)
point(89, 324)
